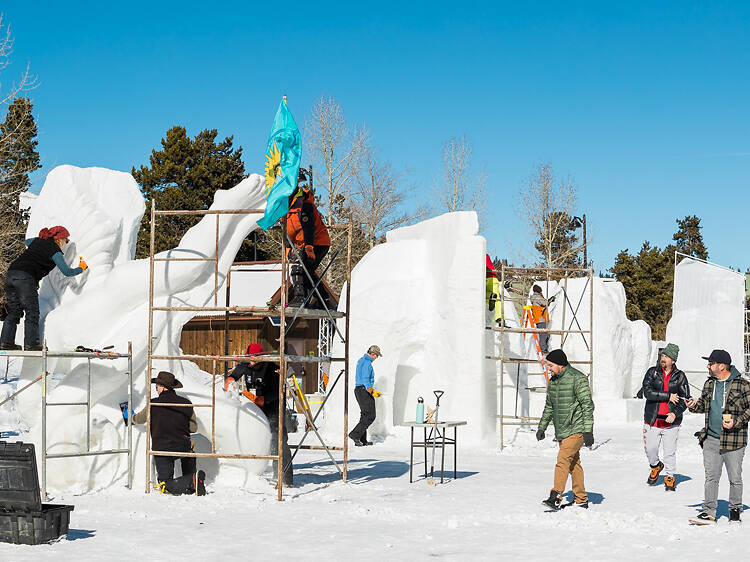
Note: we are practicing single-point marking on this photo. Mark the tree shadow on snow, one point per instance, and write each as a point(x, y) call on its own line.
point(594, 497)
point(75, 534)
point(722, 509)
point(363, 470)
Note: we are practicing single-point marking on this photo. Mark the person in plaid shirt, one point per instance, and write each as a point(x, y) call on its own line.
point(725, 401)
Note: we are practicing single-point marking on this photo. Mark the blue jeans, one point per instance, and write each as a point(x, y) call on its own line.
point(22, 297)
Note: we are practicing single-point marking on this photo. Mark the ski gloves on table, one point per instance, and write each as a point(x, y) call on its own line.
point(588, 437)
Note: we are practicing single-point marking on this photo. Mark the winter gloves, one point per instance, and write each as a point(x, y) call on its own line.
point(539, 434)
point(258, 400)
point(588, 438)
point(375, 393)
point(82, 264)
point(229, 383)
point(310, 251)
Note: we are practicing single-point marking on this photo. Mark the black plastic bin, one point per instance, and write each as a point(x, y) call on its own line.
point(23, 517)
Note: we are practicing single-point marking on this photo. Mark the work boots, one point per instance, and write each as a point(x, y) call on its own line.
point(10, 347)
point(199, 483)
point(298, 292)
point(669, 483)
point(734, 515)
point(554, 500)
point(654, 474)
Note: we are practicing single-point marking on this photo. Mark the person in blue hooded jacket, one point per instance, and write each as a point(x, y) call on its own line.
point(365, 395)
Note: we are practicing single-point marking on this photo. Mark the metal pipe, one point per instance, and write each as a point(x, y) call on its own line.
point(86, 454)
point(88, 407)
point(347, 321)
point(44, 420)
point(212, 212)
point(130, 409)
point(216, 265)
point(17, 392)
point(150, 347)
point(67, 404)
point(535, 330)
point(282, 366)
point(591, 327)
point(502, 355)
point(241, 358)
point(226, 321)
point(211, 455)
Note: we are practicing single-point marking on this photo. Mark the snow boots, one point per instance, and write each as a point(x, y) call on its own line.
point(298, 287)
point(10, 347)
point(654, 474)
point(669, 483)
point(553, 501)
point(734, 515)
point(199, 483)
point(705, 517)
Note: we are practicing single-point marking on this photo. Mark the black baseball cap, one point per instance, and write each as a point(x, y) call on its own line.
point(719, 356)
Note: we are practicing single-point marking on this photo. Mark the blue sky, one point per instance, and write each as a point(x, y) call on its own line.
point(645, 106)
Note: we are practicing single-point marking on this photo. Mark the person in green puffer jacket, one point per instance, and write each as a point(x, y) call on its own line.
point(570, 408)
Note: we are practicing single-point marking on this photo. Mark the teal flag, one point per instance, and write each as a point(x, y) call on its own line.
point(283, 156)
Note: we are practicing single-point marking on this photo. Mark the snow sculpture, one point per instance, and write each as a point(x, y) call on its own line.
point(420, 297)
point(108, 305)
point(708, 310)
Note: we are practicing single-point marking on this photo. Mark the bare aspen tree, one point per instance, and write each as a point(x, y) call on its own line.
point(547, 205)
point(335, 148)
point(379, 196)
point(456, 189)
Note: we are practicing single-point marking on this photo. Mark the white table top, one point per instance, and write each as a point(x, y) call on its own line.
point(439, 424)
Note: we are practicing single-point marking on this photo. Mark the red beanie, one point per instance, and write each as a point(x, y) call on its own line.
point(254, 348)
point(56, 233)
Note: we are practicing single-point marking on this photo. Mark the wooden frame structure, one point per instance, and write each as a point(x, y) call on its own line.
point(540, 275)
point(282, 358)
point(45, 354)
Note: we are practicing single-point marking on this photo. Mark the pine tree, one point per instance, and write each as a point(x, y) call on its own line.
point(18, 158)
point(648, 277)
point(184, 175)
point(689, 239)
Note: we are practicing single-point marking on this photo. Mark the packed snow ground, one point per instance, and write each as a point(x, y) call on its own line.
point(491, 511)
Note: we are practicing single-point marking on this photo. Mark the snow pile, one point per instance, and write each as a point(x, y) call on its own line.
point(708, 310)
point(420, 297)
point(108, 305)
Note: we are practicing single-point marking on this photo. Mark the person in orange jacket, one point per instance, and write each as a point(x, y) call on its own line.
point(309, 234)
point(262, 388)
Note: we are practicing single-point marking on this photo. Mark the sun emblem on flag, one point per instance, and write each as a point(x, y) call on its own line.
point(273, 167)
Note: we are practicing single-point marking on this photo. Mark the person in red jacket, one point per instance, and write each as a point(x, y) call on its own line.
point(309, 234)
point(42, 255)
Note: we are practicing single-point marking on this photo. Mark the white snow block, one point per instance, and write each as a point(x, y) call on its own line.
point(420, 297)
point(708, 312)
point(108, 305)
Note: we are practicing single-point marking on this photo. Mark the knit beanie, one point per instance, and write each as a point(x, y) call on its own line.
point(558, 357)
point(55, 232)
point(671, 351)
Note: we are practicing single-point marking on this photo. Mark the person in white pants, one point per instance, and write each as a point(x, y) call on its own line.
point(664, 388)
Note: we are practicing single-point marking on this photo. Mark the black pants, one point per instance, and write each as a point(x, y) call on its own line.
point(23, 300)
point(165, 473)
point(366, 413)
point(286, 452)
point(299, 277)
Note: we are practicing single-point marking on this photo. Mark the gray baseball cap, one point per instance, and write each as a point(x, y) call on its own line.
point(374, 349)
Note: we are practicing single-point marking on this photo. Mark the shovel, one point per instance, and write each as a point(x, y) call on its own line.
point(431, 479)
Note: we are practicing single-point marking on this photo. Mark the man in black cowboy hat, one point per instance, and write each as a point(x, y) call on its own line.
point(171, 427)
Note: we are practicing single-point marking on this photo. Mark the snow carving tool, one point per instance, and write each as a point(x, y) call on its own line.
point(431, 479)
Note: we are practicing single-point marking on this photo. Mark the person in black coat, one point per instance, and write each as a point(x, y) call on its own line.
point(171, 427)
point(42, 255)
point(262, 388)
point(664, 387)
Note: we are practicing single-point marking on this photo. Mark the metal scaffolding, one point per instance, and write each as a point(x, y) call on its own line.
point(540, 276)
point(282, 312)
point(44, 354)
